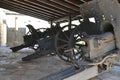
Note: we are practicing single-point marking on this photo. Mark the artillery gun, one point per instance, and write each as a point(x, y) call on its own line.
point(52, 43)
point(71, 43)
point(30, 39)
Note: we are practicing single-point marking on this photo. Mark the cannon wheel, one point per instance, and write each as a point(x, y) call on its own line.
point(62, 42)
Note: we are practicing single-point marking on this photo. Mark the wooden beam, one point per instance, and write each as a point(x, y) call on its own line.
point(65, 4)
point(45, 6)
point(23, 11)
point(85, 75)
point(85, 0)
point(75, 2)
point(56, 6)
point(34, 7)
point(29, 9)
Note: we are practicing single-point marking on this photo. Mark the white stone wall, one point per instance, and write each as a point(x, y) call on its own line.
point(3, 29)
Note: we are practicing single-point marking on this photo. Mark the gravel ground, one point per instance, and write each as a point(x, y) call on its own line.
point(12, 68)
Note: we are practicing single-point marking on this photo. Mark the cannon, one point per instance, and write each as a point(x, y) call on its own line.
point(30, 39)
point(49, 41)
point(62, 43)
point(52, 44)
point(71, 42)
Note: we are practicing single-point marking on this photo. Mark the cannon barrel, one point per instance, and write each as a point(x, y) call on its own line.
point(17, 48)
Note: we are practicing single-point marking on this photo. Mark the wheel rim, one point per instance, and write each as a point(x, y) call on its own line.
point(62, 42)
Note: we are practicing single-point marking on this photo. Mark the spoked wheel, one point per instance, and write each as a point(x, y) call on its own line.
point(75, 44)
point(62, 42)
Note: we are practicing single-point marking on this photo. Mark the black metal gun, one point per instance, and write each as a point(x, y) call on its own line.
point(32, 37)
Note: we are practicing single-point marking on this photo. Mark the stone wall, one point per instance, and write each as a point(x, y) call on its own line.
point(3, 29)
point(15, 37)
point(104, 11)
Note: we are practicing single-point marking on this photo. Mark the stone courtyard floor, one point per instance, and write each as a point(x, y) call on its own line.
point(12, 68)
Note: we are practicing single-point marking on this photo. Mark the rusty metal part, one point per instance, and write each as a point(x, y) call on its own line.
point(104, 59)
